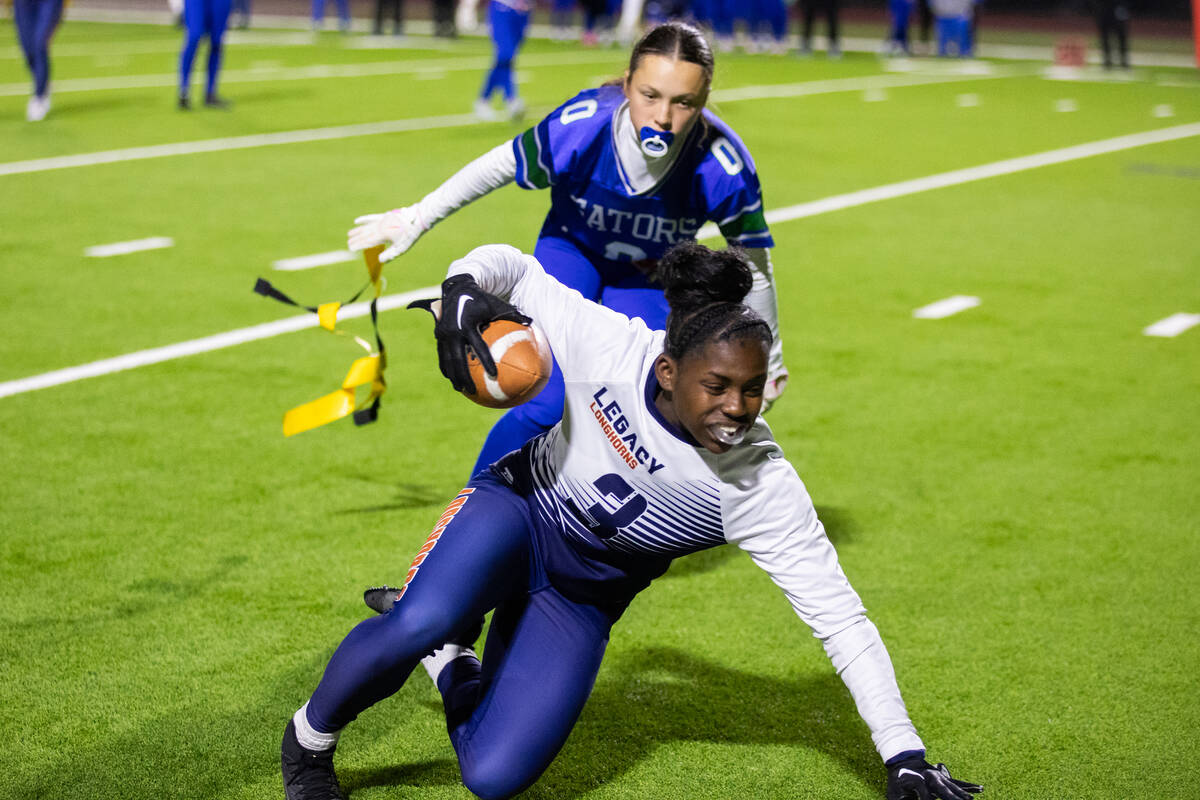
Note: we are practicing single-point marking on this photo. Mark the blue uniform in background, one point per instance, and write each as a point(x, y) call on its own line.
point(722, 15)
point(603, 240)
point(900, 11)
point(318, 14)
point(769, 14)
point(508, 20)
point(202, 18)
point(35, 21)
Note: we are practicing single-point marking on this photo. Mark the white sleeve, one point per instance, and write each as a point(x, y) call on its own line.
point(769, 514)
point(763, 300)
point(585, 337)
point(490, 171)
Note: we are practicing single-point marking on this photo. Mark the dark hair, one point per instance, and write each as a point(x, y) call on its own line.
point(705, 289)
point(677, 41)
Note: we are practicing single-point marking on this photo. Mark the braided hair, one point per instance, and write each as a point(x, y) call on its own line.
point(705, 289)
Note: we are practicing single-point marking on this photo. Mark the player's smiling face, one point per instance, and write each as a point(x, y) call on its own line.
point(714, 394)
point(666, 94)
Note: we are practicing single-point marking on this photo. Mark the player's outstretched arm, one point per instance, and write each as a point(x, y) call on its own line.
point(400, 228)
point(914, 778)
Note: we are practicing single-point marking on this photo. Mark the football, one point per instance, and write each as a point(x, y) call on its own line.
point(523, 362)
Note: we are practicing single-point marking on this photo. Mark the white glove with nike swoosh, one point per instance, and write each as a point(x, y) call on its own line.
point(914, 778)
point(399, 229)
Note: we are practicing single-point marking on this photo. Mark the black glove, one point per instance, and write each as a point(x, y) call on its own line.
point(466, 311)
point(916, 779)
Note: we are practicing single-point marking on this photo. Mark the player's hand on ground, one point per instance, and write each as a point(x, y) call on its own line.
point(774, 388)
point(917, 779)
point(399, 229)
point(466, 310)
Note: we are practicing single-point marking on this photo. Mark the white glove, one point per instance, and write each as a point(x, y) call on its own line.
point(774, 388)
point(400, 228)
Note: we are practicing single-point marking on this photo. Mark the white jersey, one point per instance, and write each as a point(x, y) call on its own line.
point(621, 486)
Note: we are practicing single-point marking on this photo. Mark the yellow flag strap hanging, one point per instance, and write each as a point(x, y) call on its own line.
point(365, 370)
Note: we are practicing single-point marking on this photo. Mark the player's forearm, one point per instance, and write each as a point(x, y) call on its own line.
point(763, 300)
point(487, 173)
point(497, 268)
point(860, 657)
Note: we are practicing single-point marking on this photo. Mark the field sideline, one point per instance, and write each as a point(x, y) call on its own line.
point(1011, 487)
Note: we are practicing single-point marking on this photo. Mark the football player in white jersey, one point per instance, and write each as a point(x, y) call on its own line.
point(633, 167)
point(661, 453)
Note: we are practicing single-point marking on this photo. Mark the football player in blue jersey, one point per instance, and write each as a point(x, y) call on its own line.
point(633, 167)
point(36, 21)
point(661, 453)
point(507, 21)
point(203, 18)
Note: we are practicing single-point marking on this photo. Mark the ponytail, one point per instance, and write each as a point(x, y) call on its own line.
point(705, 289)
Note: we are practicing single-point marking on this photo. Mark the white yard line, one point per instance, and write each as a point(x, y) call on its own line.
point(314, 71)
point(150, 46)
point(855, 84)
point(207, 344)
point(970, 174)
point(425, 123)
point(123, 248)
point(315, 260)
point(946, 308)
point(1173, 325)
point(835, 203)
point(236, 143)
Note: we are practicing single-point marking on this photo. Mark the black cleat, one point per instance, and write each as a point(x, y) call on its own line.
point(213, 101)
point(307, 775)
point(380, 599)
point(184, 103)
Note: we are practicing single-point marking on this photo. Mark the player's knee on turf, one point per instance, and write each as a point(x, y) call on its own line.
point(497, 776)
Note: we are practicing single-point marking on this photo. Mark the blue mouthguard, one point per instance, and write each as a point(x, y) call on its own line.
point(655, 143)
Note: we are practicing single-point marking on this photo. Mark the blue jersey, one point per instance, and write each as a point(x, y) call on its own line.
point(572, 152)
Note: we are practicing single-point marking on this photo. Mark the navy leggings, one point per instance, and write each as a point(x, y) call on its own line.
point(615, 285)
point(36, 21)
point(509, 716)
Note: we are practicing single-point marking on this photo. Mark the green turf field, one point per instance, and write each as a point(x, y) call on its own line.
point(1012, 489)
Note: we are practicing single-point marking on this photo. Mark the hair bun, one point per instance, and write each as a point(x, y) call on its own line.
point(693, 276)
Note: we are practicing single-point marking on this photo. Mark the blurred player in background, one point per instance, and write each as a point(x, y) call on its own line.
point(36, 21)
point(897, 42)
point(767, 24)
point(953, 27)
point(1112, 19)
point(559, 537)
point(830, 9)
point(507, 20)
point(562, 20)
point(597, 22)
point(240, 14)
point(203, 18)
point(343, 11)
point(633, 167)
point(466, 16)
point(382, 7)
point(444, 23)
